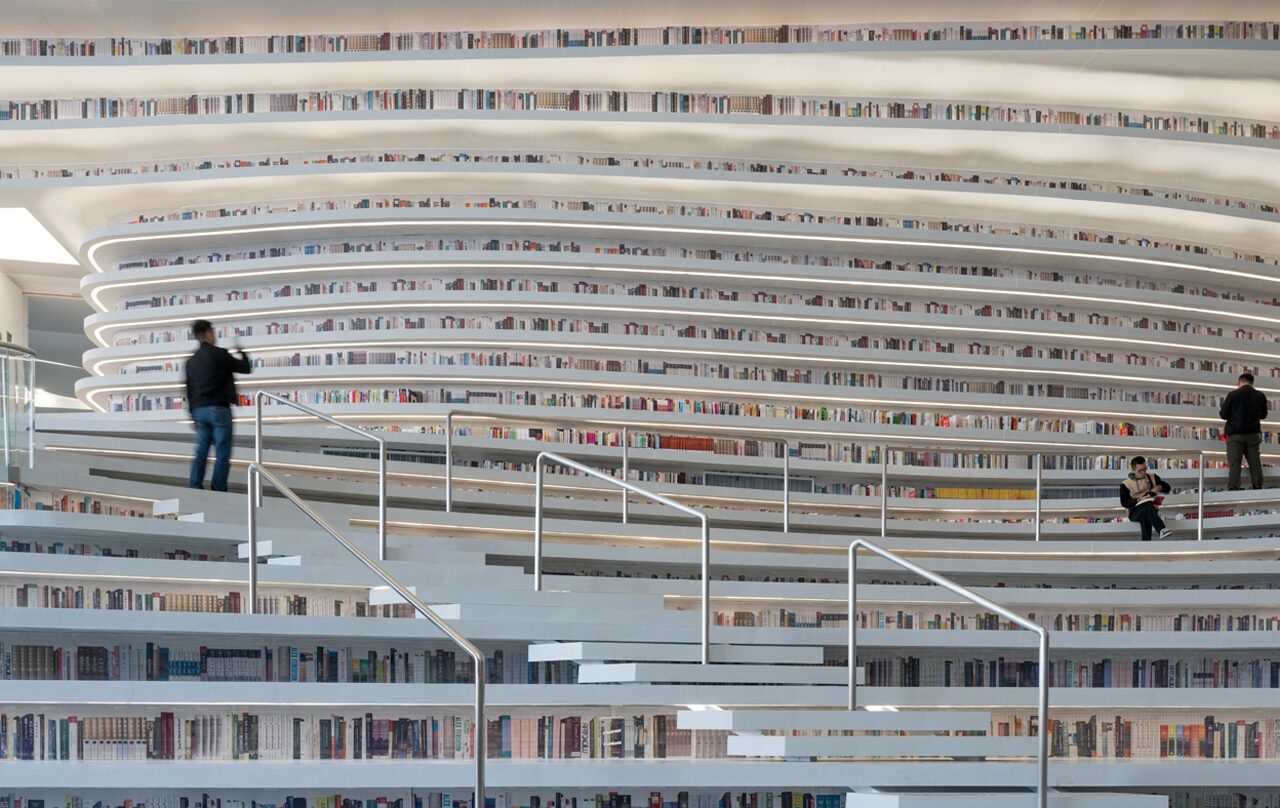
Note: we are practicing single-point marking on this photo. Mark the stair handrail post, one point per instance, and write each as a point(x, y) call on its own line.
point(1042, 773)
point(448, 462)
point(884, 492)
point(786, 486)
point(263, 395)
point(1200, 501)
point(626, 470)
point(544, 458)
point(477, 656)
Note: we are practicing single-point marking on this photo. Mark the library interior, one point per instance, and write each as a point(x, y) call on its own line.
point(805, 405)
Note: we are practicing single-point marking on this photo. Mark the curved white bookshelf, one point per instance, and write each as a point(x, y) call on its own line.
point(1182, 276)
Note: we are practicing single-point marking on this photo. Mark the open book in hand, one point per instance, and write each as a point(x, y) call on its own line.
point(1154, 498)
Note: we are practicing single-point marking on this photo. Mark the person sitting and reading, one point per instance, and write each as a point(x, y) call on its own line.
point(1142, 494)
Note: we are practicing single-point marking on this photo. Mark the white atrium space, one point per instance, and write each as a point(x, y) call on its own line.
point(712, 404)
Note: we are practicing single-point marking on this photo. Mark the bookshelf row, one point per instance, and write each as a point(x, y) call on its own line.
point(499, 391)
point(175, 662)
point(427, 798)
point(726, 291)
point(566, 359)
point(867, 351)
point(684, 321)
point(610, 209)
point(168, 597)
point(1105, 672)
point(248, 737)
point(695, 167)
point(674, 102)
point(668, 36)
point(188, 735)
point(1188, 323)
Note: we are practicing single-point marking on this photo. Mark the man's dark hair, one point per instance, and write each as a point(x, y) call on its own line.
point(1246, 377)
point(1137, 460)
point(201, 327)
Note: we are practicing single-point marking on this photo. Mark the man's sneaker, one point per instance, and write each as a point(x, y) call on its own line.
point(1164, 534)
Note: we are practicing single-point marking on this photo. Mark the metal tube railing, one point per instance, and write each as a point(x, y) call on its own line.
point(257, 473)
point(1042, 787)
point(627, 487)
point(745, 433)
point(256, 490)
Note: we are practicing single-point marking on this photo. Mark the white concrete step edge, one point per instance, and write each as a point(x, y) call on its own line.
point(597, 673)
point(758, 720)
point(881, 746)
point(673, 652)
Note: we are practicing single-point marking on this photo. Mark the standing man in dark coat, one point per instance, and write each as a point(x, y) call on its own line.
point(1243, 409)
point(211, 390)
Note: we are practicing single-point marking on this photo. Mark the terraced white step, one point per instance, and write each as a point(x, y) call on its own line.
point(759, 720)
point(563, 615)
point(880, 746)
point(1003, 799)
point(673, 652)
point(448, 593)
point(597, 673)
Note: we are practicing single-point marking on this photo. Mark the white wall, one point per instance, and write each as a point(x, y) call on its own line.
point(13, 313)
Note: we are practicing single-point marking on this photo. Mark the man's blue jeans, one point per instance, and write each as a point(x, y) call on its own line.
point(213, 425)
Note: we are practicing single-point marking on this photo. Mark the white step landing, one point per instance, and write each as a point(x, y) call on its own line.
point(602, 673)
point(673, 652)
point(1002, 799)
point(761, 720)
point(897, 746)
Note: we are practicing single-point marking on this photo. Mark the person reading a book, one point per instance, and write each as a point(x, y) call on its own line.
point(1244, 409)
point(211, 391)
point(1142, 494)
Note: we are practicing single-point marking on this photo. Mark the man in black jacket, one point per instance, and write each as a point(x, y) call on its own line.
point(1243, 409)
point(211, 390)
point(1141, 492)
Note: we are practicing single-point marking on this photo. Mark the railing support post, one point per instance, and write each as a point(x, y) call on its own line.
point(537, 528)
point(1039, 491)
point(254, 479)
point(786, 486)
point(626, 470)
point(382, 500)
point(853, 628)
point(1200, 502)
point(448, 462)
point(884, 491)
point(256, 487)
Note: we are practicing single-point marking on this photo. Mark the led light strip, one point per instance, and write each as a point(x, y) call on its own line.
point(96, 367)
point(1228, 315)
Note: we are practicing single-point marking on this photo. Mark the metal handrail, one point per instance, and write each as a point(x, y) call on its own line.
point(785, 442)
point(1042, 788)
point(539, 463)
point(382, 456)
point(257, 473)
